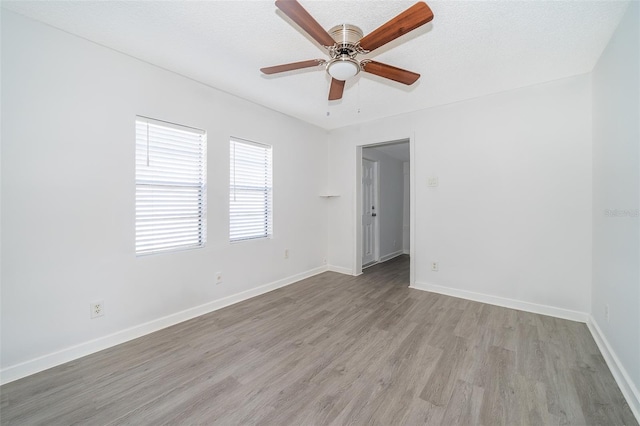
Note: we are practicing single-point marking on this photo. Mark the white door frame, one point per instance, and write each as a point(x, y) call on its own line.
point(376, 203)
point(412, 207)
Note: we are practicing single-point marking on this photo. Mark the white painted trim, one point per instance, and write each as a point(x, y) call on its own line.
point(406, 251)
point(18, 371)
point(626, 385)
point(357, 208)
point(505, 302)
point(376, 202)
point(412, 209)
point(340, 270)
point(27, 368)
point(622, 378)
point(390, 256)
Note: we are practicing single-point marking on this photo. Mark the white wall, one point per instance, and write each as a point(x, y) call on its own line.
point(511, 217)
point(616, 196)
point(68, 111)
point(390, 203)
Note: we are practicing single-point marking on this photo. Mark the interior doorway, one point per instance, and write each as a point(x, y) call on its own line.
point(384, 210)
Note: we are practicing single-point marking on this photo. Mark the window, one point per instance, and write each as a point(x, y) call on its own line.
point(250, 195)
point(171, 186)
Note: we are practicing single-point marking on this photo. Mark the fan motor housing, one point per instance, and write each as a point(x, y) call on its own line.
point(346, 37)
point(343, 64)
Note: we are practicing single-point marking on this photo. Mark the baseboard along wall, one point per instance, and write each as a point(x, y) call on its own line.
point(27, 368)
point(504, 302)
point(626, 385)
point(340, 270)
point(390, 256)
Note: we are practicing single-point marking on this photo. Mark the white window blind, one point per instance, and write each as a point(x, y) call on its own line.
point(250, 205)
point(171, 180)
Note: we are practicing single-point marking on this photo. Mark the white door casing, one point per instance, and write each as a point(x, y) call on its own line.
point(369, 212)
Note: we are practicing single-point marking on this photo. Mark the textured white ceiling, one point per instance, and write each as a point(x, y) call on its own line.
point(470, 49)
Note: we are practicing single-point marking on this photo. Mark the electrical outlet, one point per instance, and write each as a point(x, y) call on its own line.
point(432, 182)
point(286, 253)
point(96, 309)
point(434, 266)
point(218, 277)
point(606, 312)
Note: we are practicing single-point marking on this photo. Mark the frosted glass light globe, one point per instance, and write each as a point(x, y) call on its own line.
point(343, 68)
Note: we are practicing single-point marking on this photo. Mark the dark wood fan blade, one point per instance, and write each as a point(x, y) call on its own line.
point(417, 15)
point(336, 89)
point(300, 16)
point(292, 66)
point(390, 72)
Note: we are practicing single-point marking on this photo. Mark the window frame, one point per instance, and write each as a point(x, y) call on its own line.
point(266, 188)
point(168, 192)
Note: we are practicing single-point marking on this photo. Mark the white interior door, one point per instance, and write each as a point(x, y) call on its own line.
point(369, 212)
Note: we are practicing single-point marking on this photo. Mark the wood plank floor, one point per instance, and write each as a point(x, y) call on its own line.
point(336, 349)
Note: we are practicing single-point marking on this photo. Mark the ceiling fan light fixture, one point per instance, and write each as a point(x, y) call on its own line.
point(345, 42)
point(343, 68)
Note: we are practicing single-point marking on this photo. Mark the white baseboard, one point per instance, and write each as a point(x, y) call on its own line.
point(18, 371)
point(390, 256)
point(504, 302)
point(27, 368)
point(626, 385)
point(406, 251)
point(340, 270)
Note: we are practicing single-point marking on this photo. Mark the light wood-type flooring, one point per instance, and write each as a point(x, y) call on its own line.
point(336, 349)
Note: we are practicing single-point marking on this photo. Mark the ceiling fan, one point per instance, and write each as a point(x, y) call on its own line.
point(345, 42)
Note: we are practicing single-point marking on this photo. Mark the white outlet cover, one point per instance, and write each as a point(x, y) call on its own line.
point(432, 182)
point(96, 309)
